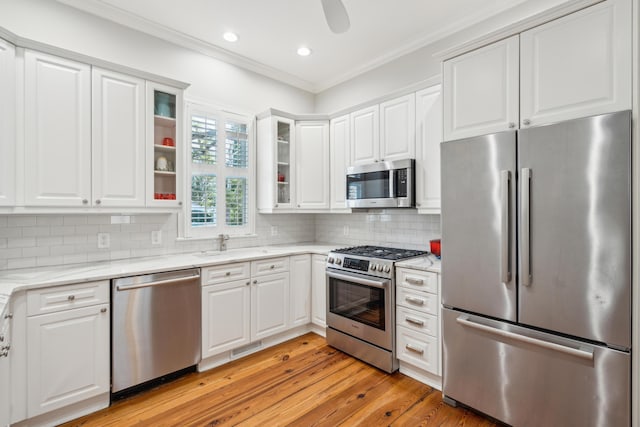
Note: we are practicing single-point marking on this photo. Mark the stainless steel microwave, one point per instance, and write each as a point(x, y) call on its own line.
point(382, 185)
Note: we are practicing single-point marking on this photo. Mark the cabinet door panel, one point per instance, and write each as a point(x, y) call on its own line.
point(340, 147)
point(365, 136)
point(270, 305)
point(481, 91)
point(300, 289)
point(312, 165)
point(398, 129)
point(7, 124)
point(319, 290)
point(68, 358)
point(428, 139)
point(118, 139)
point(225, 317)
point(577, 66)
point(57, 131)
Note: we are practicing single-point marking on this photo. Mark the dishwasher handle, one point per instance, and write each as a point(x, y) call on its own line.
point(170, 281)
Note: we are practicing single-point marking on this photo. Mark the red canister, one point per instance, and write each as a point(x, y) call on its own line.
point(435, 247)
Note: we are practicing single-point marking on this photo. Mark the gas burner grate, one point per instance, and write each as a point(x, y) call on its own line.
point(380, 252)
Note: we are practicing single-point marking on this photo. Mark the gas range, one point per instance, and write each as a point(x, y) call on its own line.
point(375, 261)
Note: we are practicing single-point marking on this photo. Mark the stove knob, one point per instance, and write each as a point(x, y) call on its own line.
point(338, 261)
point(375, 267)
point(387, 269)
point(330, 260)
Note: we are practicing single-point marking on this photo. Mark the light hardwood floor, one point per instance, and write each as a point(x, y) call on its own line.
point(302, 382)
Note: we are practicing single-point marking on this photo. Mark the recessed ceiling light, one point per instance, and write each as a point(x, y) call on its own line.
point(304, 51)
point(230, 37)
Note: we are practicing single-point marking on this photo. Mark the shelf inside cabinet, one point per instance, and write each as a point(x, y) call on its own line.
point(283, 183)
point(165, 173)
point(167, 148)
point(165, 121)
point(283, 141)
point(283, 164)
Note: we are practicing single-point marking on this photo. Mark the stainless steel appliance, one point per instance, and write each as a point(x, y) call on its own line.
point(361, 302)
point(155, 326)
point(536, 273)
point(382, 185)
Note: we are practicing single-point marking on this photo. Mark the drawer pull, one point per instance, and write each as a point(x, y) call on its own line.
point(71, 297)
point(414, 321)
point(272, 266)
point(413, 300)
point(103, 310)
point(228, 273)
point(414, 349)
point(8, 316)
point(413, 281)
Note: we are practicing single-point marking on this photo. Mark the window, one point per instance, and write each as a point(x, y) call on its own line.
point(221, 173)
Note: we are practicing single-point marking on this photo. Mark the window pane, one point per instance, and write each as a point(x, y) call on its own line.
point(204, 139)
point(236, 197)
point(203, 200)
point(236, 146)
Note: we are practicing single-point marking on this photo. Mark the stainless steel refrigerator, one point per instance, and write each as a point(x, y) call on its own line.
point(536, 273)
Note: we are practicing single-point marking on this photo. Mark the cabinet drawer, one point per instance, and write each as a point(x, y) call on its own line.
point(421, 301)
point(58, 298)
point(418, 280)
point(225, 273)
point(418, 349)
point(269, 266)
point(417, 321)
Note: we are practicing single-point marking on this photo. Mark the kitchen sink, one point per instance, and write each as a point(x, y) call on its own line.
point(206, 254)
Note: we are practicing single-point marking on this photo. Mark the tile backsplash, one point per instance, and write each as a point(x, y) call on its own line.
point(43, 240)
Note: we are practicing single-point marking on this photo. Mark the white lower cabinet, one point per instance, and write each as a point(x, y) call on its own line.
point(300, 290)
point(68, 350)
point(318, 290)
point(244, 302)
point(226, 314)
point(418, 321)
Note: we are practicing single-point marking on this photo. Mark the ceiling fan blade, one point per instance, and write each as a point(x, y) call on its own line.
point(336, 15)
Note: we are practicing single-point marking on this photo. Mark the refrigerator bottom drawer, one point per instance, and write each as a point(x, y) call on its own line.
point(528, 378)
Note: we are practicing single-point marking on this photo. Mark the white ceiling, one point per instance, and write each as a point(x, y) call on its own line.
point(270, 31)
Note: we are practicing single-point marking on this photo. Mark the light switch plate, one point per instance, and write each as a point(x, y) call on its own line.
point(156, 237)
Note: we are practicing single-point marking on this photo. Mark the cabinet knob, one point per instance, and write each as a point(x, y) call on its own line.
point(272, 266)
point(526, 122)
point(98, 202)
point(255, 282)
point(248, 282)
point(179, 203)
point(228, 273)
point(85, 202)
point(8, 316)
point(71, 297)
point(1, 337)
point(298, 205)
point(276, 205)
point(103, 310)
point(511, 125)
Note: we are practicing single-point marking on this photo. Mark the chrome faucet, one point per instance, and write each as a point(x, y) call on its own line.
point(223, 241)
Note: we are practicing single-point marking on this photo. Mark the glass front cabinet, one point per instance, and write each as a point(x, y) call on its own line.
point(276, 145)
point(165, 167)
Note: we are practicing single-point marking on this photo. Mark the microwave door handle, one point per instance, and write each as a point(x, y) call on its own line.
point(392, 183)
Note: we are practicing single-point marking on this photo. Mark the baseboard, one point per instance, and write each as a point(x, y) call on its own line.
point(421, 375)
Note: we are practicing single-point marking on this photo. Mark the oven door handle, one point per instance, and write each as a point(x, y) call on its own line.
point(359, 280)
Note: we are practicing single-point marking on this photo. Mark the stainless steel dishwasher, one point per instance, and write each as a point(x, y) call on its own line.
point(155, 326)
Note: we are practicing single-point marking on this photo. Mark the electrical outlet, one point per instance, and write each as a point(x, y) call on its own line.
point(345, 230)
point(274, 230)
point(104, 240)
point(156, 237)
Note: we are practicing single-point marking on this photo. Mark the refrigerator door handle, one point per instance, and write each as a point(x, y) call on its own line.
point(582, 353)
point(525, 234)
point(505, 248)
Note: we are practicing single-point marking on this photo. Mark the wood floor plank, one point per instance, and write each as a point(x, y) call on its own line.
point(302, 382)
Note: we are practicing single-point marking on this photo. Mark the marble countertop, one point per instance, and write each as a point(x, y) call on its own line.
point(426, 263)
point(16, 280)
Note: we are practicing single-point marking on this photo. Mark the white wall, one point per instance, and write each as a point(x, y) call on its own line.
point(420, 65)
point(50, 22)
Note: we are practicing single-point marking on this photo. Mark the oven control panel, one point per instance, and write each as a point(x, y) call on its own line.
point(365, 265)
point(356, 264)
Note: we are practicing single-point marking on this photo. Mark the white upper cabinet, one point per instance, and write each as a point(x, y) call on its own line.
point(397, 128)
point(339, 148)
point(481, 91)
point(312, 165)
point(365, 135)
point(7, 124)
point(428, 139)
point(164, 137)
point(276, 164)
point(57, 131)
point(118, 139)
point(578, 65)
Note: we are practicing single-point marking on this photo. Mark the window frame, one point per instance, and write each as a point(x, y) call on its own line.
point(222, 116)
